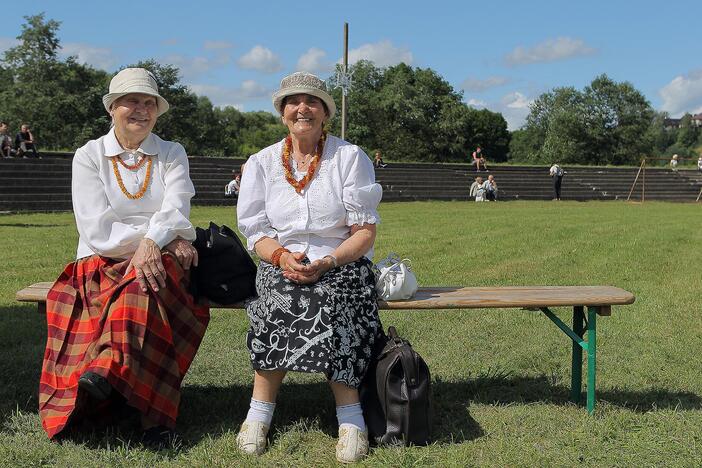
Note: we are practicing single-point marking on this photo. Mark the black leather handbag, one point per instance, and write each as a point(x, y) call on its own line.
point(395, 395)
point(225, 273)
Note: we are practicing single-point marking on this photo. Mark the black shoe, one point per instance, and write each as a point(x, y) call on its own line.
point(95, 385)
point(159, 437)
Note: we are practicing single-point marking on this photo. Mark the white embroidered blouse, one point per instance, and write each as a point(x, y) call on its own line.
point(110, 224)
point(342, 193)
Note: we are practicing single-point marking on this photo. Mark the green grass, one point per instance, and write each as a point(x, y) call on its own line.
point(500, 377)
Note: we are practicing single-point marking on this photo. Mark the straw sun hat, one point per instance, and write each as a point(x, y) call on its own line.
point(303, 83)
point(134, 80)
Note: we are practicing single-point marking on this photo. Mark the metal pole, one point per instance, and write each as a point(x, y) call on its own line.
point(346, 70)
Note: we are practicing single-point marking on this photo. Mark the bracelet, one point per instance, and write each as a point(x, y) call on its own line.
point(333, 259)
point(277, 253)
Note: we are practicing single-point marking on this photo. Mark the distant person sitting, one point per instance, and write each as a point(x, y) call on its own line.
point(674, 162)
point(477, 189)
point(557, 173)
point(490, 187)
point(378, 161)
point(478, 159)
point(232, 188)
point(5, 141)
point(25, 143)
point(699, 164)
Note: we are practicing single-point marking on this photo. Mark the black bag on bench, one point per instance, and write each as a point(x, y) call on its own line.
point(395, 395)
point(225, 274)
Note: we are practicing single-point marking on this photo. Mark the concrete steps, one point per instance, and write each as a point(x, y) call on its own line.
point(45, 184)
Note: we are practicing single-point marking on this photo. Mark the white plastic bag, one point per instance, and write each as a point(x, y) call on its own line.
point(396, 280)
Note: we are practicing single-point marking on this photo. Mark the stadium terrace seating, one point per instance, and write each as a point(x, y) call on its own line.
point(44, 184)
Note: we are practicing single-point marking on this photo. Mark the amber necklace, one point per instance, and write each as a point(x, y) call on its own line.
point(132, 167)
point(299, 185)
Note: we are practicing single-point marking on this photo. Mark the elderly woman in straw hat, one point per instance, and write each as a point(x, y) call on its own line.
point(308, 208)
point(122, 326)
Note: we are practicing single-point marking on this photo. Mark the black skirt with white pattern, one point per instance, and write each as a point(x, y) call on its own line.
point(329, 327)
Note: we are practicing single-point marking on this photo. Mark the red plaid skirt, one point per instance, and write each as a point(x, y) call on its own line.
point(143, 343)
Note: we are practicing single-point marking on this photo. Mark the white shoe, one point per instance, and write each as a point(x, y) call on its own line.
point(352, 445)
point(252, 438)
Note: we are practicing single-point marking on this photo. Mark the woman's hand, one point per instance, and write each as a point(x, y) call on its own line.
point(148, 266)
point(296, 272)
point(184, 252)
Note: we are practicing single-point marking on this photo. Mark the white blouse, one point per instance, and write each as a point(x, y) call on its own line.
point(342, 193)
point(110, 224)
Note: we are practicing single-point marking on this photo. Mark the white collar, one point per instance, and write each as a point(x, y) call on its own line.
point(113, 148)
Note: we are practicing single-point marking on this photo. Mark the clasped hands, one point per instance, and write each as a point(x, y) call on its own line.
point(147, 263)
point(297, 272)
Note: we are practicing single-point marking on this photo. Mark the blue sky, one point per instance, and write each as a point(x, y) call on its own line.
point(501, 54)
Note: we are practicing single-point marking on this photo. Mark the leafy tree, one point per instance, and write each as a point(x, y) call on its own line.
point(414, 114)
point(606, 123)
point(61, 100)
point(687, 134)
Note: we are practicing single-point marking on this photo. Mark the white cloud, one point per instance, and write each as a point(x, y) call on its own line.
point(383, 54)
point(222, 96)
point(191, 67)
point(217, 45)
point(99, 57)
point(7, 43)
point(260, 58)
point(550, 50)
point(313, 61)
point(683, 94)
point(478, 85)
point(514, 107)
point(477, 103)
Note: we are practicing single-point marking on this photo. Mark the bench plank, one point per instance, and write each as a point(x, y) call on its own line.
point(463, 298)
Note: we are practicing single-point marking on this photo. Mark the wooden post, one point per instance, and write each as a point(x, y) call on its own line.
point(635, 179)
point(643, 183)
point(346, 70)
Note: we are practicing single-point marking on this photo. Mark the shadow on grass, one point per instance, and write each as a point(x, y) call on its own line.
point(26, 225)
point(504, 389)
point(216, 410)
point(22, 343)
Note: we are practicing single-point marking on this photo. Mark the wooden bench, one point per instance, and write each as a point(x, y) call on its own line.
point(597, 299)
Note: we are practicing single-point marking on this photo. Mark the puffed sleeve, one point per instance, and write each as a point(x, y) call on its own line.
point(173, 219)
point(361, 195)
point(251, 206)
point(98, 224)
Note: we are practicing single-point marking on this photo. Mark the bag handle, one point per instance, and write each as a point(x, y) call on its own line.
point(394, 266)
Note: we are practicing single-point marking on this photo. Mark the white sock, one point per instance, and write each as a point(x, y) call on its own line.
point(261, 411)
point(352, 415)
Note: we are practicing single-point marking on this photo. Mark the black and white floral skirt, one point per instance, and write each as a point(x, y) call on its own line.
point(328, 327)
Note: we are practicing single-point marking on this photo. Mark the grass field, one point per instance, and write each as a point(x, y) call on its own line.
point(500, 377)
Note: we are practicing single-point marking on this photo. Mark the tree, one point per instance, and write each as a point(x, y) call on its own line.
point(61, 100)
point(606, 123)
point(414, 114)
point(687, 134)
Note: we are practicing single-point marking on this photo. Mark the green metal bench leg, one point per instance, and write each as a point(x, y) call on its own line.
point(591, 357)
point(576, 374)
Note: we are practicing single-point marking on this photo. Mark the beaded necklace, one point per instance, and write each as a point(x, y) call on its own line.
point(299, 185)
point(132, 167)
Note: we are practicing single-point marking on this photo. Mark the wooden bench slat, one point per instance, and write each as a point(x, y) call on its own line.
point(461, 298)
point(513, 296)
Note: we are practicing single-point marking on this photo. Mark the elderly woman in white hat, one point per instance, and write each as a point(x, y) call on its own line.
point(122, 326)
point(308, 208)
